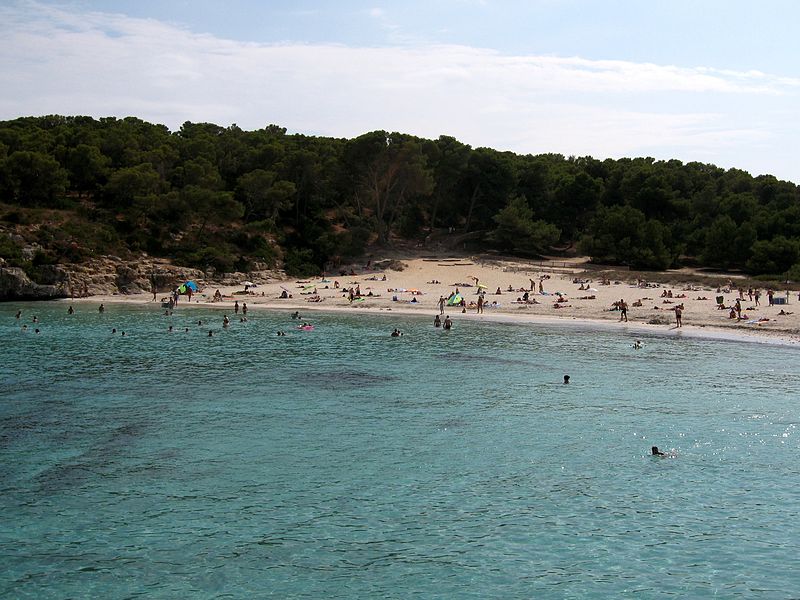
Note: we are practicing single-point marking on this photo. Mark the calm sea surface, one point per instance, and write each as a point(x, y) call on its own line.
point(343, 463)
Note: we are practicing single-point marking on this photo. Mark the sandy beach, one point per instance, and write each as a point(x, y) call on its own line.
point(569, 293)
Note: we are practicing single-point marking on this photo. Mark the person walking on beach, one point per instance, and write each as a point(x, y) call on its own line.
point(623, 310)
point(441, 305)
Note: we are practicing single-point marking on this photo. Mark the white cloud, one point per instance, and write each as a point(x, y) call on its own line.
point(56, 61)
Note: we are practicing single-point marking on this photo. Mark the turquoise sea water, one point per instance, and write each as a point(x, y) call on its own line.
point(343, 463)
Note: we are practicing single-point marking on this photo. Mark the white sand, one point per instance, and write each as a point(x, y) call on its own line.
point(701, 317)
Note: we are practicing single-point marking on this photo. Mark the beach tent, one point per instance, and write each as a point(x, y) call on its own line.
point(454, 300)
point(185, 287)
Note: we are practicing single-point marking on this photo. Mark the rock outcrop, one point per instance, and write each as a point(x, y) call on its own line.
point(16, 285)
point(110, 275)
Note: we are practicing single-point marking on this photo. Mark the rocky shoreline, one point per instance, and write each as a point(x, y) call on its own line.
point(111, 275)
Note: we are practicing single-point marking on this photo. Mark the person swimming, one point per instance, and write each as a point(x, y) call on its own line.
point(566, 379)
point(654, 451)
point(637, 344)
point(396, 333)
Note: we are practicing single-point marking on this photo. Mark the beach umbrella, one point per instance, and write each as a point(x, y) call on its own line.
point(482, 286)
point(248, 283)
point(191, 285)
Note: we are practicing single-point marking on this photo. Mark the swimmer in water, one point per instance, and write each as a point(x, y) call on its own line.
point(637, 344)
point(210, 334)
point(566, 379)
point(654, 451)
point(70, 310)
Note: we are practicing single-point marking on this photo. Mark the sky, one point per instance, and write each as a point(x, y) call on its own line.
point(714, 81)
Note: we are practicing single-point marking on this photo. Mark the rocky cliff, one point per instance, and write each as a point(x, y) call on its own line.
point(111, 275)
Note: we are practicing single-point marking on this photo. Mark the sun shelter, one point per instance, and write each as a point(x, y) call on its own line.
point(455, 299)
point(190, 287)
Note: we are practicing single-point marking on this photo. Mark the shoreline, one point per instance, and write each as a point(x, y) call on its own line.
point(631, 327)
point(516, 291)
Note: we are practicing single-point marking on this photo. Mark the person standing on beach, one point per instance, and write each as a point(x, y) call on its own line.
point(480, 304)
point(757, 295)
point(236, 307)
point(623, 310)
point(679, 314)
point(441, 305)
point(244, 309)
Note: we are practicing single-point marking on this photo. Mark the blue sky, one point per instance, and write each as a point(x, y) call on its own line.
point(710, 81)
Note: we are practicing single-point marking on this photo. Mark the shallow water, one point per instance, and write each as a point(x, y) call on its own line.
point(345, 463)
